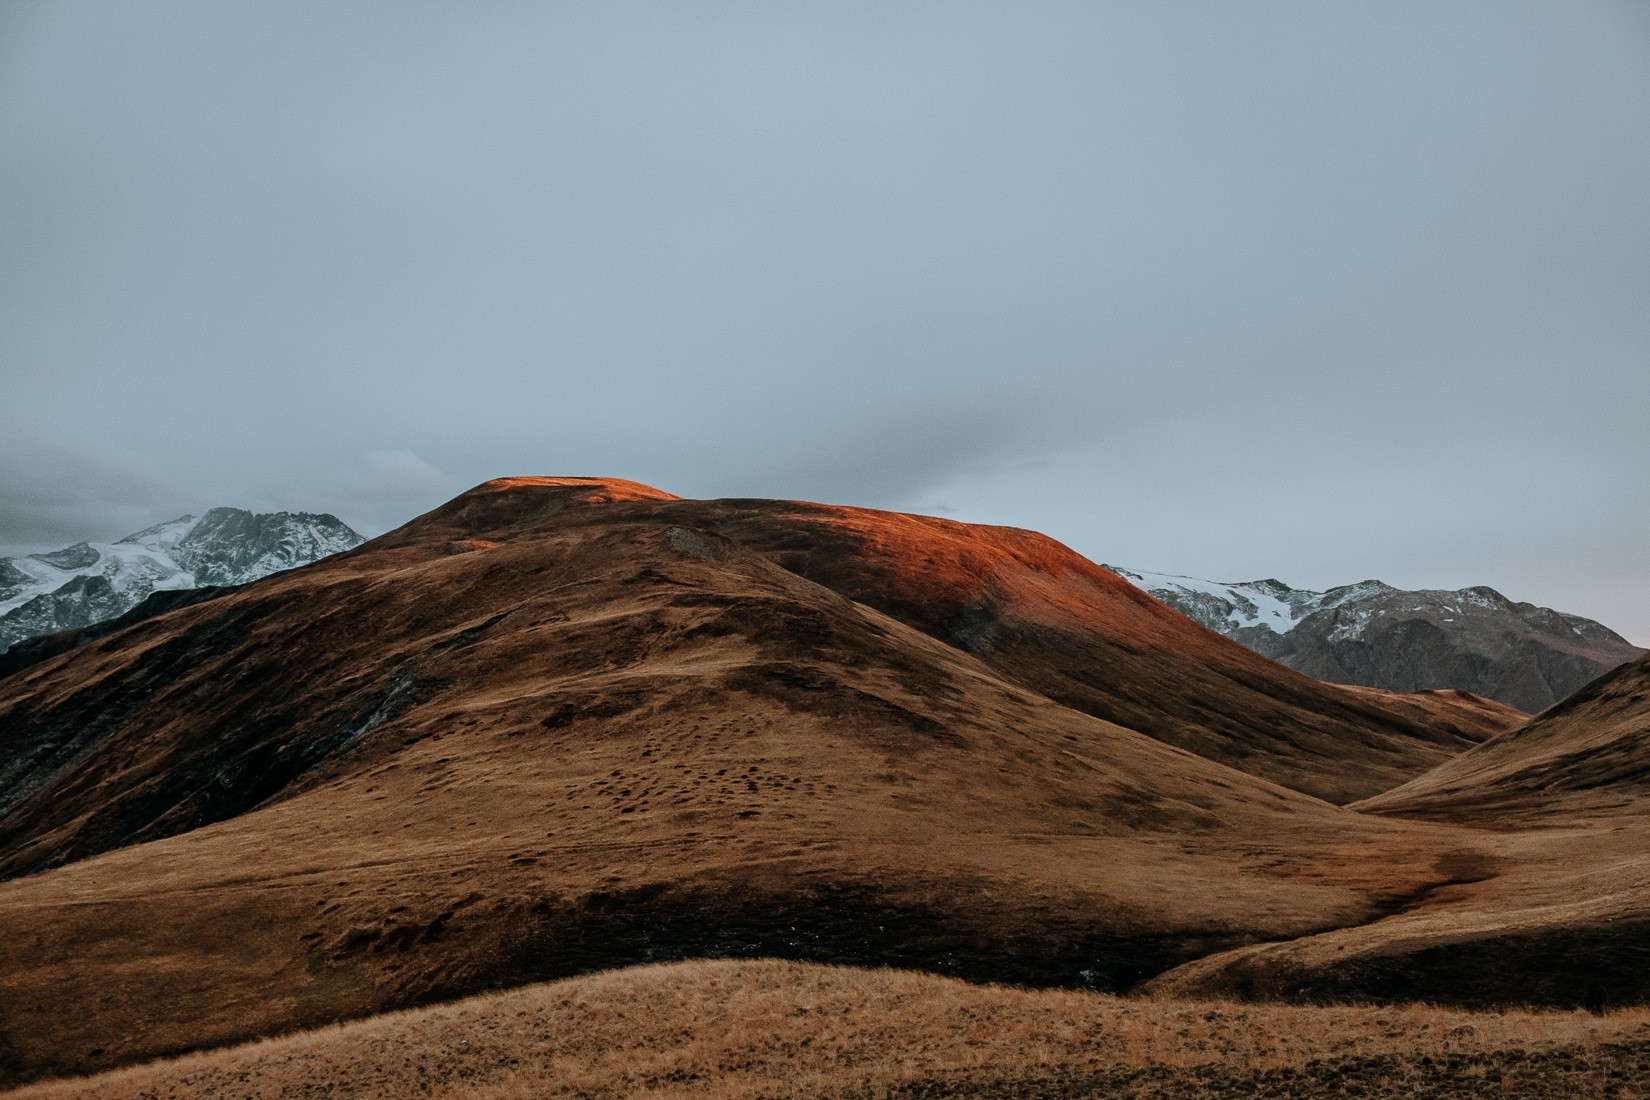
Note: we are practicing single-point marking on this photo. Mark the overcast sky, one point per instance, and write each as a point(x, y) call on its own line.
point(1314, 291)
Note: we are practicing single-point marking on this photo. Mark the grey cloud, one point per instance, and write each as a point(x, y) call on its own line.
point(53, 496)
point(1381, 268)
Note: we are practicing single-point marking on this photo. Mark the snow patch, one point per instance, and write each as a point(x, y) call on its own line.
point(90, 582)
point(1269, 603)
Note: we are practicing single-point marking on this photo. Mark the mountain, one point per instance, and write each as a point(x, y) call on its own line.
point(1471, 639)
point(91, 582)
point(564, 724)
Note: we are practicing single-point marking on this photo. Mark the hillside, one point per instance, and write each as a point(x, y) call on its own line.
point(1053, 621)
point(563, 724)
point(1553, 905)
point(1592, 750)
point(767, 1029)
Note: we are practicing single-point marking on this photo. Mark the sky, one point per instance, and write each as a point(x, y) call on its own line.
point(1320, 292)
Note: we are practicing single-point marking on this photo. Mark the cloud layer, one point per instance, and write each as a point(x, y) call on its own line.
point(1321, 292)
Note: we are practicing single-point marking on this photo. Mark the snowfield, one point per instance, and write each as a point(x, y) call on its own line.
point(92, 581)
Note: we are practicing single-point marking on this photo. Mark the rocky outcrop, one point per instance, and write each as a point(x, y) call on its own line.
point(1375, 635)
point(89, 583)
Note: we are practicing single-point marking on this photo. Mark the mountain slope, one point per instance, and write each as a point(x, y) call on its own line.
point(1591, 749)
point(562, 724)
point(1372, 634)
point(1554, 906)
point(1048, 618)
point(92, 582)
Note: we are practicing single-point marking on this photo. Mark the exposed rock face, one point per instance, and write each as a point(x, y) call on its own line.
point(92, 582)
point(1375, 635)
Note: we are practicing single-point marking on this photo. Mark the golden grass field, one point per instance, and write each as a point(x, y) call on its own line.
point(770, 1029)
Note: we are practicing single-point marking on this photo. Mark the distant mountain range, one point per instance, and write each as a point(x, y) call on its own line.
point(1367, 634)
point(90, 582)
point(1374, 635)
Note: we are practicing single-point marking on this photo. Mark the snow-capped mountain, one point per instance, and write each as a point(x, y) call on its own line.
point(92, 581)
point(1370, 633)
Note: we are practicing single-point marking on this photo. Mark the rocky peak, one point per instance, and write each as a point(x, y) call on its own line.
point(1373, 634)
point(90, 582)
point(79, 556)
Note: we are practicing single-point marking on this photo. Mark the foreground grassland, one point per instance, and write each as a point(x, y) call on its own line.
point(778, 1029)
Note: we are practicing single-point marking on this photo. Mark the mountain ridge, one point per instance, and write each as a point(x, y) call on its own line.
point(86, 583)
point(1591, 748)
point(1373, 634)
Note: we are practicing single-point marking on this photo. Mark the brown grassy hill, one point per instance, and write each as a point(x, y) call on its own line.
point(1023, 604)
point(775, 1029)
point(1048, 618)
point(1554, 907)
point(1554, 912)
point(1592, 749)
point(555, 726)
point(1476, 716)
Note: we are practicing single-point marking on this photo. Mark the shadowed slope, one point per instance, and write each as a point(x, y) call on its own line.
point(1473, 716)
point(1558, 914)
point(551, 726)
point(1591, 749)
point(1554, 907)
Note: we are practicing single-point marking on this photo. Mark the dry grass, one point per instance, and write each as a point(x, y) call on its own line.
point(663, 729)
point(620, 744)
point(768, 1028)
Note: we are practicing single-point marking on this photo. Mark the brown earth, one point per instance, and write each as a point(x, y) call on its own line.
point(565, 724)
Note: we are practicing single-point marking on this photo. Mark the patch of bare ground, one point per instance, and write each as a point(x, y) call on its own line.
point(767, 1028)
